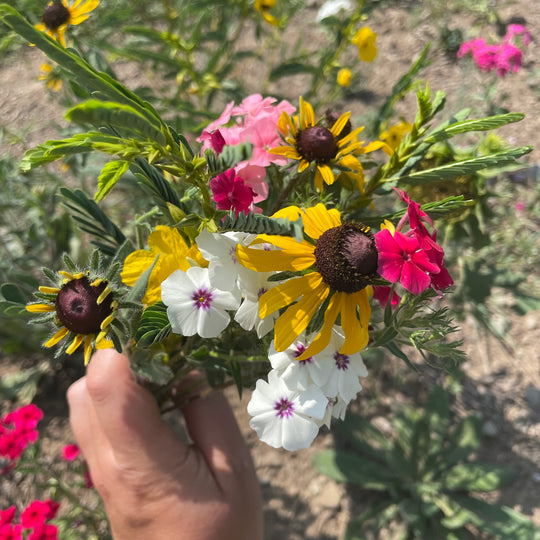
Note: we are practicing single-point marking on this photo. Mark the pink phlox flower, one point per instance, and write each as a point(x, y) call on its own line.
point(509, 59)
point(230, 192)
point(254, 177)
point(12, 445)
point(10, 532)
point(24, 417)
point(7, 515)
point(402, 259)
point(70, 452)
point(37, 513)
point(517, 30)
point(414, 214)
point(47, 531)
point(381, 293)
point(222, 120)
point(253, 105)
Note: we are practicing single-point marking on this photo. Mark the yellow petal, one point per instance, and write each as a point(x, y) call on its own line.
point(87, 348)
point(356, 332)
point(327, 174)
point(282, 295)
point(319, 219)
point(323, 337)
point(268, 261)
point(40, 308)
point(61, 334)
point(351, 162)
point(286, 151)
point(135, 265)
point(75, 344)
point(307, 117)
point(296, 318)
point(340, 123)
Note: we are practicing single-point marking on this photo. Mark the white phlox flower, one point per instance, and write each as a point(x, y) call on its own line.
point(252, 287)
point(297, 374)
point(194, 306)
point(333, 7)
point(219, 249)
point(345, 370)
point(285, 418)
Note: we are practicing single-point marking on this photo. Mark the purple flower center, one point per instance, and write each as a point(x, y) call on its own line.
point(300, 348)
point(342, 361)
point(262, 290)
point(232, 254)
point(202, 298)
point(284, 408)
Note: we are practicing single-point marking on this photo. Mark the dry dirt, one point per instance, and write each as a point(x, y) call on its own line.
point(505, 386)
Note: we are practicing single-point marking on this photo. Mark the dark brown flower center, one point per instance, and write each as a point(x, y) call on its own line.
point(316, 143)
point(77, 307)
point(55, 15)
point(346, 257)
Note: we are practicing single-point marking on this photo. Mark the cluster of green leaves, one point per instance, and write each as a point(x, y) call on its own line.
point(423, 478)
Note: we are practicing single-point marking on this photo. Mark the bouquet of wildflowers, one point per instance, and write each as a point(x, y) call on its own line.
point(276, 245)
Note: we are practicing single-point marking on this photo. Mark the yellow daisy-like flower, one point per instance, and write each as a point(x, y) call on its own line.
point(264, 7)
point(172, 253)
point(344, 77)
point(364, 39)
point(52, 80)
point(83, 310)
point(313, 143)
point(59, 14)
point(394, 134)
point(336, 267)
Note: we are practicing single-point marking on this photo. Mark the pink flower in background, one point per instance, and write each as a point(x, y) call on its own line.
point(38, 512)
point(18, 430)
point(520, 207)
point(10, 532)
point(502, 58)
point(46, 531)
point(381, 293)
point(230, 192)
point(6, 516)
point(70, 452)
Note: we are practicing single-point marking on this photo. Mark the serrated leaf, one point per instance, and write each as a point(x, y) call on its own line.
point(110, 174)
point(477, 476)
point(152, 369)
point(154, 325)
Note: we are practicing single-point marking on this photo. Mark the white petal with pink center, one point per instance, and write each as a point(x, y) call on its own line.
point(284, 418)
point(194, 306)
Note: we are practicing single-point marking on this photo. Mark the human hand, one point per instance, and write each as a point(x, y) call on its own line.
point(153, 486)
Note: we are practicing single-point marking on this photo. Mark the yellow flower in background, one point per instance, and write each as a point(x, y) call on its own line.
point(51, 78)
point(58, 15)
point(336, 266)
point(172, 253)
point(312, 143)
point(394, 134)
point(344, 77)
point(83, 309)
point(364, 39)
point(264, 7)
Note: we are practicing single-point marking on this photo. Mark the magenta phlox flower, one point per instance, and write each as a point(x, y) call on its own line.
point(24, 417)
point(47, 531)
point(7, 515)
point(402, 259)
point(517, 30)
point(470, 46)
point(70, 452)
point(254, 177)
point(230, 192)
point(10, 532)
point(509, 59)
point(381, 293)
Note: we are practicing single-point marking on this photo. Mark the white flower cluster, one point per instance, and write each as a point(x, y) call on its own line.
point(299, 396)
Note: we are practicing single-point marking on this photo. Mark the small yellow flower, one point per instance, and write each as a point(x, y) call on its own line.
point(394, 134)
point(264, 7)
point(58, 15)
point(364, 39)
point(344, 77)
point(51, 78)
point(172, 253)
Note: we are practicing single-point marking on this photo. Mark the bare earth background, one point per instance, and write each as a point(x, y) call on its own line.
point(505, 386)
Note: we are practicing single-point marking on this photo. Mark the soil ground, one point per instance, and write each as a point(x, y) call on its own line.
point(503, 385)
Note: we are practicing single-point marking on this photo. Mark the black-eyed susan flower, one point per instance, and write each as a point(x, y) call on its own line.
point(52, 79)
point(59, 14)
point(82, 308)
point(310, 142)
point(334, 269)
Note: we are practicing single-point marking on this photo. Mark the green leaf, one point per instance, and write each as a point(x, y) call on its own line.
point(481, 124)
point(138, 290)
point(465, 439)
point(108, 113)
point(153, 369)
point(110, 174)
point(459, 168)
point(290, 68)
point(343, 466)
point(477, 476)
point(498, 521)
point(154, 325)
point(12, 293)
point(22, 385)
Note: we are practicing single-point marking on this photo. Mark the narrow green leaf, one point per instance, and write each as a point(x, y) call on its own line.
point(290, 68)
point(110, 174)
point(464, 440)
